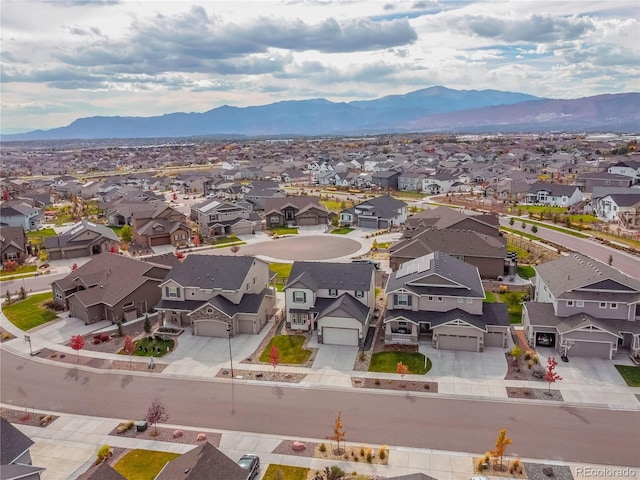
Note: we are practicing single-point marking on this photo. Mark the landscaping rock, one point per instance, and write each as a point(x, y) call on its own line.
point(177, 434)
point(298, 446)
point(201, 437)
point(548, 471)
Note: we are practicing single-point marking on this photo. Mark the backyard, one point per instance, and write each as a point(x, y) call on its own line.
point(31, 312)
point(282, 271)
point(143, 464)
point(290, 348)
point(514, 305)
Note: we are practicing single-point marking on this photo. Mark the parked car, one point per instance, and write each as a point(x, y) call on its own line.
point(251, 463)
point(545, 340)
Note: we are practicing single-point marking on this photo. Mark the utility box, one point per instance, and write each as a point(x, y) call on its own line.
point(141, 426)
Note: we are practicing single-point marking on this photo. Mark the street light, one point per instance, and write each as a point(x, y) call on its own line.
point(229, 338)
point(27, 338)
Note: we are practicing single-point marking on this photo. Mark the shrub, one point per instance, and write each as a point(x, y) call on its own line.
point(356, 459)
point(147, 324)
point(383, 452)
point(6, 336)
point(535, 358)
point(104, 337)
point(362, 451)
point(527, 355)
point(530, 363)
point(120, 330)
point(363, 356)
point(369, 457)
point(426, 386)
point(376, 381)
point(103, 453)
point(322, 448)
point(480, 464)
point(516, 351)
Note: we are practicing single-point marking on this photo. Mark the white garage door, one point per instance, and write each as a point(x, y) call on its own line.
point(209, 328)
point(494, 339)
point(590, 349)
point(455, 342)
point(339, 336)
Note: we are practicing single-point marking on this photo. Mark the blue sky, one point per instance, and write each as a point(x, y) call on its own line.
point(66, 59)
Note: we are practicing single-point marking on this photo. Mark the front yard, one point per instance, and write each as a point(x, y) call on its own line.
point(342, 230)
point(284, 230)
point(153, 348)
point(290, 348)
point(630, 374)
point(31, 312)
point(143, 464)
point(21, 270)
point(387, 362)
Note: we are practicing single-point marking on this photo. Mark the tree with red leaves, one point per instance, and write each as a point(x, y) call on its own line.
point(550, 374)
point(274, 357)
point(77, 343)
point(113, 249)
point(175, 196)
point(10, 265)
point(179, 255)
point(196, 240)
point(74, 267)
point(157, 413)
point(5, 194)
point(402, 369)
point(129, 347)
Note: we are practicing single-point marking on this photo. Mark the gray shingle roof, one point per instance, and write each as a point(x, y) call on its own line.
point(342, 276)
point(212, 271)
point(555, 189)
point(102, 472)
point(203, 462)
point(492, 314)
point(250, 303)
point(299, 202)
point(441, 268)
point(13, 442)
point(451, 241)
point(67, 237)
point(354, 308)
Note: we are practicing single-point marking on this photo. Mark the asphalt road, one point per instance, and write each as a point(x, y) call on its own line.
point(32, 284)
point(626, 263)
point(577, 434)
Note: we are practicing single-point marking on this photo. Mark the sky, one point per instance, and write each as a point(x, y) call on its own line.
point(66, 59)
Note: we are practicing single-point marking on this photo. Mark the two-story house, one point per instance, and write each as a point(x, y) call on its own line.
point(217, 295)
point(583, 308)
point(334, 299)
point(440, 298)
point(219, 218)
point(20, 214)
point(13, 244)
point(553, 195)
point(379, 212)
point(629, 168)
point(160, 224)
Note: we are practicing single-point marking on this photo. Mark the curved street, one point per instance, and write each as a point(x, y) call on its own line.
point(555, 432)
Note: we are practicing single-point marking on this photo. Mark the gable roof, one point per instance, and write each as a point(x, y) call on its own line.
point(68, 236)
point(212, 271)
point(384, 206)
point(298, 202)
point(13, 236)
point(437, 274)
point(103, 472)
point(204, 461)
point(554, 189)
point(574, 273)
point(445, 217)
point(13, 443)
point(341, 276)
point(451, 241)
point(345, 302)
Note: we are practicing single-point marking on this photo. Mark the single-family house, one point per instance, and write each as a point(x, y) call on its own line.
point(583, 308)
point(103, 471)
point(83, 239)
point(445, 217)
point(486, 252)
point(202, 462)
point(218, 218)
point(258, 192)
point(376, 213)
point(110, 287)
point(160, 224)
point(335, 299)
point(629, 168)
point(439, 298)
point(15, 454)
point(602, 179)
point(621, 208)
point(385, 179)
point(438, 184)
point(410, 181)
point(13, 244)
point(298, 210)
point(217, 295)
point(553, 195)
point(20, 214)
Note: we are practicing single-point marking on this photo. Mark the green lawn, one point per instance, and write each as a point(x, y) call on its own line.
point(336, 205)
point(342, 231)
point(291, 351)
point(151, 347)
point(30, 313)
point(117, 230)
point(236, 243)
point(225, 240)
point(18, 271)
point(586, 219)
point(285, 472)
point(630, 374)
point(526, 271)
point(522, 253)
point(565, 230)
point(537, 209)
point(515, 312)
point(387, 362)
point(489, 297)
point(281, 269)
point(37, 236)
point(383, 245)
point(143, 464)
point(284, 230)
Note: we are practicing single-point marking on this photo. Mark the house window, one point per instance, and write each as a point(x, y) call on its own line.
point(184, 236)
point(299, 297)
point(402, 324)
point(569, 303)
point(430, 299)
point(209, 310)
point(59, 296)
point(176, 236)
point(274, 219)
point(580, 303)
point(603, 304)
point(333, 292)
point(469, 300)
point(439, 299)
point(613, 305)
point(172, 292)
point(359, 294)
point(402, 300)
point(254, 280)
point(12, 256)
point(128, 305)
point(298, 318)
point(460, 300)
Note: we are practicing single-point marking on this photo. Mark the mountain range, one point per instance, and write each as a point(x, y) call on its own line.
point(434, 109)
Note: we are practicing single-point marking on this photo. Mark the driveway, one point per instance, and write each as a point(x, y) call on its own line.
point(490, 364)
point(336, 357)
point(584, 370)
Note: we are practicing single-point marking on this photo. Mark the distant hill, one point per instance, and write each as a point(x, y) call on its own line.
point(429, 109)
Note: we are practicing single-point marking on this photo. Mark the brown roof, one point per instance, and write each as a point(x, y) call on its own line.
point(203, 462)
point(445, 217)
point(452, 241)
point(299, 202)
point(103, 472)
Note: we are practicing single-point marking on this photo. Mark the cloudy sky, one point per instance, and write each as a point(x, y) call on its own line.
point(65, 59)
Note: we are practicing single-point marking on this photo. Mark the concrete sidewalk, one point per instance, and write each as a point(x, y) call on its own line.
point(67, 448)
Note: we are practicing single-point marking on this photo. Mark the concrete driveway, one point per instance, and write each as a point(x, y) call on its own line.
point(336, 357)
point(584, 370)
point(490, 364)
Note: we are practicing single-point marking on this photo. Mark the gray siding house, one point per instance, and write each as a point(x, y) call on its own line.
point(439, 298)
point(375, 213)
point(584, 308)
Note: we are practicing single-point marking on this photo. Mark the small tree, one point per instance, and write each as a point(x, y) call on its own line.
point(7, 298)
point(147, 324)
point(157, 413)
point(511, 221)
point(338, 431)
point(274, 357)
point(77, 343)
point(512, 299)
point(43, 256)
point(179, 255)
point(524, 226)
point(501, 445)
point(23, 293)
point(534, 229)
point(516, 352)
point(129, 347)
point(174, 196)
point(103, 453)
point(610, 260)
point(550, 374)
point(402, 369)
point(126, 233)
point(196, 240)
point(74, 267)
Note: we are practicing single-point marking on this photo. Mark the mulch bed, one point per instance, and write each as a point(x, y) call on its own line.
point(262, 376)
point(519, 370)
point(24, 417)
point(410, 386)
point(286, 448)
point(4, 335)
point(496, 472)
point(166, 435)
point(534, 393)
point(73, 359)
point(535, 472)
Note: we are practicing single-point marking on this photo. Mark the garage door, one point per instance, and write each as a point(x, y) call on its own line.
point(153, 242)
point(455, 342)
point(306, 221)
point(209, 328)
point(245, 326)
point(339, 336)
point(365, 222)
point(242, 229)
point(494, 339)
point(590, 349)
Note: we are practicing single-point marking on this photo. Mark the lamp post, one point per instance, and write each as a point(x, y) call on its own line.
point(230, 357)
point(27, 338)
